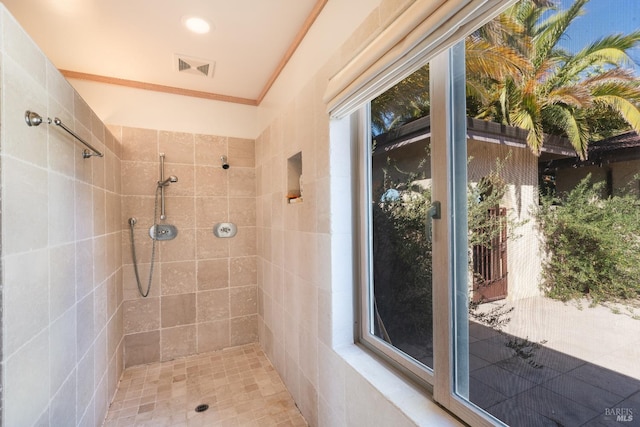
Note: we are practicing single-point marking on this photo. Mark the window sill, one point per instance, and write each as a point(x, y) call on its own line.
point(414, 403)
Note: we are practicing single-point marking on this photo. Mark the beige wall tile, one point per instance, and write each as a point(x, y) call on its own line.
point(62, 290)
point(186, 179)
point(84, 268)
point(84, 168)
point(213, 335)
point(99, 211)
point(19, 46)
point(100, 271)
point(139, 144)
point(180, 211)
point(241, 152)
point(142, 348)
point(62, 346)
point(143, 244)
point(83, 210)
point(242, 182)
point(182, 248)
point(244, 243)
point(63, 404)
point(61, 149)
point(139, 178)
point(26, 370)
point(213, 305)
point(84, 326)
point(213, 274)
point(59, 88)
point(178, 277)
point(139, 207)
point(209, 246)
point(243, 271)
point(211, 210)
point(211, 181)
point(113, 211)
point(24, 207)
point(243, 301)
point(243, 330)
point(177, 342)
point(178, 310)
point(83, 115)
point(141, 315)
point(84, 386)
point(130, 286)
point(242, 211)
point(98, 166)
point(209, 149)
point(25, 298)
point(178, 147)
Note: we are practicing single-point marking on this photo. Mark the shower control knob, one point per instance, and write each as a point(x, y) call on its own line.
point(225, 229)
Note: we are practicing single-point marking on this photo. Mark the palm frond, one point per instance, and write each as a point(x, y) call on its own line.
point(494, 62)
point(553, 29)
point(577, 96)
point(626, 109)
point(575, 129)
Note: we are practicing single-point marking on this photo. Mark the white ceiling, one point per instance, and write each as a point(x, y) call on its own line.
point(137, 40)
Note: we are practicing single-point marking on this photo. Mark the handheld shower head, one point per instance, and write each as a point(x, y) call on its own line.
point(168, 181)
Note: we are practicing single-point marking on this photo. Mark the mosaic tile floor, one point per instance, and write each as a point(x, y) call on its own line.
point(239, 384)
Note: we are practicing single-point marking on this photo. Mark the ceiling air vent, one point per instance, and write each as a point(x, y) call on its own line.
point(195, 66)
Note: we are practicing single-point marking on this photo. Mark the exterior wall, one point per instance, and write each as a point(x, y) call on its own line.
point(61, 269)
point(567, 179)
point(626, 173)
point(204, 291)
point(622, 174)
point(520, 172)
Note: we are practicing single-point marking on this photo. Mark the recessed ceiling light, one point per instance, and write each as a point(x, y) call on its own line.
point(195, 24)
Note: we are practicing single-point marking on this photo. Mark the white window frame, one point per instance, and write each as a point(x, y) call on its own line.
point(449, 234)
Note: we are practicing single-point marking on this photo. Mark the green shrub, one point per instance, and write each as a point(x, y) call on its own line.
point(402, 260)
point(592, 244)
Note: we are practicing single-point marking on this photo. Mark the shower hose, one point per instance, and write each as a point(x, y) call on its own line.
point(132, 223)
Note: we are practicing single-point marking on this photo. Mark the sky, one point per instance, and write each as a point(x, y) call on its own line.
point(603, 17)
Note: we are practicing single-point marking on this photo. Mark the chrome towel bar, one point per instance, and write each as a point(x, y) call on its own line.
point(34, 119)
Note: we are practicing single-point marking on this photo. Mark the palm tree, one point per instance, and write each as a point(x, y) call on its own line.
point(557, 91)
point(519, 76)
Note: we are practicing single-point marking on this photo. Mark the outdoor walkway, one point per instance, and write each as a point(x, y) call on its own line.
point(585, 372)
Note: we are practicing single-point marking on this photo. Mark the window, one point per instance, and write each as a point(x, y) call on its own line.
point(499, 267)
point(397, 303)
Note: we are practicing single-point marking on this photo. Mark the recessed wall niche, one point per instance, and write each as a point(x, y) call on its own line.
point(294, 178)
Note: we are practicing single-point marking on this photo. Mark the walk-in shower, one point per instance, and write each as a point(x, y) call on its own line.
point(157, 231)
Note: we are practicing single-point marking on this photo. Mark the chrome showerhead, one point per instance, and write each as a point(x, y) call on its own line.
point(168, 181)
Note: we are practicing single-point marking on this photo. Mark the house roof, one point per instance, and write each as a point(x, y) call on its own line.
point(619, 148)
point(479, 130)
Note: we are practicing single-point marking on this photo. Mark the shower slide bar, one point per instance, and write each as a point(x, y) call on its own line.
point(34, 119)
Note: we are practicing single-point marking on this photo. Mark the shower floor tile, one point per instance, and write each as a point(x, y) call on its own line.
point(239, 384)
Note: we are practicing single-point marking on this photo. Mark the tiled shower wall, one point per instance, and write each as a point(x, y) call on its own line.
point(294, 263)
point(204, 290)
point(61, 248)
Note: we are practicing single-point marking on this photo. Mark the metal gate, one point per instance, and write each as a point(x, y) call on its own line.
point(490, 260)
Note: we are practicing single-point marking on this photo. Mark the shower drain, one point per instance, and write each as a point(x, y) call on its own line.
point(202, 408)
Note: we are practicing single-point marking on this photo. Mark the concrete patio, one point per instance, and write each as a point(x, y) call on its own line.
point(584, 371)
